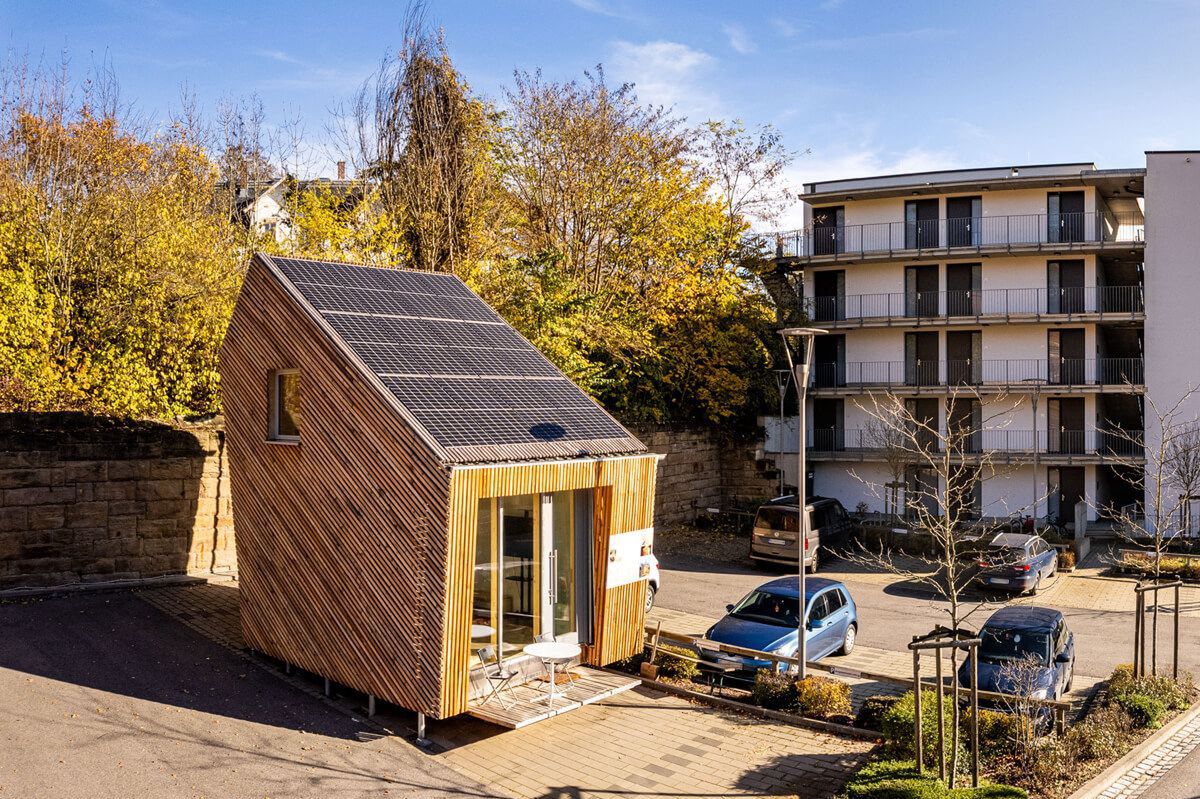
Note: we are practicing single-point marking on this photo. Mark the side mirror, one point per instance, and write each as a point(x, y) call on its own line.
point(816, 624)
point(1063, 656)
point(729, 608)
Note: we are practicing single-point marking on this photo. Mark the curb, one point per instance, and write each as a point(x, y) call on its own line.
point(755, 710)
point(39, 592)
point(1102, 781)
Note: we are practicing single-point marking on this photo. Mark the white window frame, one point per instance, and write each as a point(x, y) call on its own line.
point(276, 397)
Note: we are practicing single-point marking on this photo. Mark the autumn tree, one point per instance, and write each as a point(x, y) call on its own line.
point(117, 272)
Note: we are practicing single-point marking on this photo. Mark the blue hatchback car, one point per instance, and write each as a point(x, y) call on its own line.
point(1021, 632)
point(766, 620)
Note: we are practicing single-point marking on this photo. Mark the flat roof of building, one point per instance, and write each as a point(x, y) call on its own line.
point(980, 179)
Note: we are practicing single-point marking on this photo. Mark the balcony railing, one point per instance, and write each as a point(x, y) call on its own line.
point(962, 233)
point(1094, 443)
point(1006, 373)
point(1120, 301)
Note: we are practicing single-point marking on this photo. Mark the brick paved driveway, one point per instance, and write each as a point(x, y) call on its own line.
point(177, 709)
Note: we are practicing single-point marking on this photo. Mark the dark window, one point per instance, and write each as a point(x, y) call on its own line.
point(835, 599)
point(820, 608)
point(767, 608)
point(285, 406)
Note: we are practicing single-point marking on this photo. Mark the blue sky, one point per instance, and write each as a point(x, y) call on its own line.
point(870, 86)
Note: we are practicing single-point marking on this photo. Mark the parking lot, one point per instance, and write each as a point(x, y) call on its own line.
point(1098, 609)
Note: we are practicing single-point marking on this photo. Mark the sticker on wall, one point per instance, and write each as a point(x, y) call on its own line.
point(628, 557)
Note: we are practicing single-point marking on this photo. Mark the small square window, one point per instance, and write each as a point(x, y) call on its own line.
point(285, 406)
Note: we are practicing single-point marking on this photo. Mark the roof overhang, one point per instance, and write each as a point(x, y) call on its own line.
point(1110, 182)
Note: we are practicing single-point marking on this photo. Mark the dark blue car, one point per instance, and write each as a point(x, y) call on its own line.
point(766, 620)
point(1016, 633)
point(1017, 562)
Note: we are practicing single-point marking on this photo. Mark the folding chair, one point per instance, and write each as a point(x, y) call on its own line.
point(499, 677)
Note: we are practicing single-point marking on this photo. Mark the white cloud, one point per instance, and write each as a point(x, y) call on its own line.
point(838, 164)
point(739, 40)
point(278, 55)
point(667, 73)
point(594, 6)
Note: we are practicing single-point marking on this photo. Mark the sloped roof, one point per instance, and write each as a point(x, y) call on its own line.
point(465, 380)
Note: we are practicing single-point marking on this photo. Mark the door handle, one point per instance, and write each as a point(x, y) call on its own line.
point(552, 581)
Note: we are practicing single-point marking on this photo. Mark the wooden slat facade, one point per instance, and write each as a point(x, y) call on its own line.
point(356, 545)
point(623, 502)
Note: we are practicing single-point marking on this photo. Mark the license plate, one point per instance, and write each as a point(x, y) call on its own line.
point(776, 541)
point(999, 581)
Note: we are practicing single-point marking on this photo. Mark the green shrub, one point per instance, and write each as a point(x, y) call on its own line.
point(671, 665)
point(899, 734)
point(773, 690)
point(870, 713)
point(822, 697)
point(1150, 698)
point(1145, 711)
point(898, 779)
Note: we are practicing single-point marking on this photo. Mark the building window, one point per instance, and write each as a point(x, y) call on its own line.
point(285, 405)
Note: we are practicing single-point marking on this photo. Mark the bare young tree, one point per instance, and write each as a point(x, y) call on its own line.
point(944, 469)
point(885, 436)
point(1161, 465)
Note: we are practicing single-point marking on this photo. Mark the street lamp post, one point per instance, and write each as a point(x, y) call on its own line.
point(801, 364)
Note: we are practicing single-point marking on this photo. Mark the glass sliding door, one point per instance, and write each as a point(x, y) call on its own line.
point(521, 567)
point(560, 560)
point(486, 594)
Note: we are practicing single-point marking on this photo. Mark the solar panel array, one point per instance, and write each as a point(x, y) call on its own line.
point(465, 375)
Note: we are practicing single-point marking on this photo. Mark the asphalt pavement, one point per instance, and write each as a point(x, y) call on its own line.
point(892, 611)
point(105, 696)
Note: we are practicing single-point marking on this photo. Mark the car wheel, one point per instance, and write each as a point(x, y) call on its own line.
point(812, 568)
point(849, 640)
point(1037, 583)
point(650, 592)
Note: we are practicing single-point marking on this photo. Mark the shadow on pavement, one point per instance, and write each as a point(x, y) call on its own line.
point(119, 644)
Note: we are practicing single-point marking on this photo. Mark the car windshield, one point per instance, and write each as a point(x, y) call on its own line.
point(768, 609)
point(1001, 645)
point(1006, 556)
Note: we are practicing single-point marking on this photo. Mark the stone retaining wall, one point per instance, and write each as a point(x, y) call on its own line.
point(704, 469)
point(87, 499)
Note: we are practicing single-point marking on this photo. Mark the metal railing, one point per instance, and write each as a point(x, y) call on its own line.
point(962, 233)
point(1122, 301)
point(1020, 372)
point(1101, 443)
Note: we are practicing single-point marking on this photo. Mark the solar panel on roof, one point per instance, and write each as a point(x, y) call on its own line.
point(468, 378)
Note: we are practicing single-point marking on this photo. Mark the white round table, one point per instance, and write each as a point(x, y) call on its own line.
point(482, 631)
point(552, 653)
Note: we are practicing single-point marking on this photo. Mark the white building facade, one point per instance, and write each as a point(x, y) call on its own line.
point(1037, 294)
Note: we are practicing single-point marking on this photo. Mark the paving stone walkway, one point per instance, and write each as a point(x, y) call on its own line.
point(642, 743)
point(1154, 766)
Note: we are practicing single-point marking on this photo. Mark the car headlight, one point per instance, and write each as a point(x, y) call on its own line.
point(787, 650)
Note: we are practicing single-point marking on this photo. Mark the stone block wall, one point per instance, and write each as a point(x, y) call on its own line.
point(705, 469)
point(88, 499)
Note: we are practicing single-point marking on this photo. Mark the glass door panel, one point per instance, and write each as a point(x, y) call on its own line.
point(520, 565)
point(485, 599)
point(561, 574)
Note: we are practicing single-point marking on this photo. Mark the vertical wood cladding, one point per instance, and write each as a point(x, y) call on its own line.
point(341, 538)
point(624, 502)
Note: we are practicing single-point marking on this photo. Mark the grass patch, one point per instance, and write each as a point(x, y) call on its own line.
point(898, 779)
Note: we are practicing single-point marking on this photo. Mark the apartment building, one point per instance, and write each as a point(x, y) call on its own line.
point(1055, 297)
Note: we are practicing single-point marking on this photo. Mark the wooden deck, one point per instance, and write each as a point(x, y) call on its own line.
point(527, 703)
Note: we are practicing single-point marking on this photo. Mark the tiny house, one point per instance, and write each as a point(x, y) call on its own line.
point(412, 480)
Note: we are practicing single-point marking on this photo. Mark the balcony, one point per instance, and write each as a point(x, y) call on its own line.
point(1068, 446)
point(1064, 231)
point(912, 309)
point(1024, 374)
